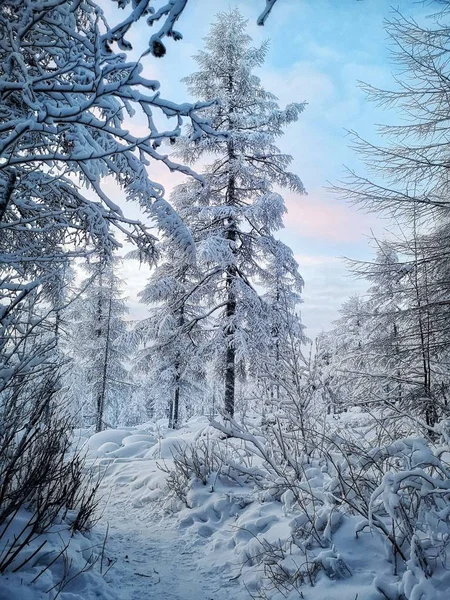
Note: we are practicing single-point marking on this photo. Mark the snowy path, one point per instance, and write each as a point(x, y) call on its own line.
point(153, 560)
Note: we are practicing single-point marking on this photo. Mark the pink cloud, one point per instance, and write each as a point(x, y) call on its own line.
point(321, 217)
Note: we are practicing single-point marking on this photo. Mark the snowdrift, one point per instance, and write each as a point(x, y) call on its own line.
point(356, 522)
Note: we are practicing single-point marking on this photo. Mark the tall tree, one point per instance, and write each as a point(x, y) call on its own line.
point(235, 213)
point(283, 285)
point(396, 358)
point(408, 179)
point(100, 383)
point(170, 355)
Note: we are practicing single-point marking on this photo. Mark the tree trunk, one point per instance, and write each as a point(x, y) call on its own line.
point(171, 403)
point(230, 311)
point(231, 271)
point(9, 189)
point(175, 409)
point(424, 333)
point(176, 401)
point(230, 376)
point(101, 396)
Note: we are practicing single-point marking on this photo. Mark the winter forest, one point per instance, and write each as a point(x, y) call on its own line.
point(196, 439)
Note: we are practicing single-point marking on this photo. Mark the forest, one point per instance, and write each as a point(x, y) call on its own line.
point(204, 445)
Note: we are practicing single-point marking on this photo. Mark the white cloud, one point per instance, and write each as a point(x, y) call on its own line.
point(327, 284)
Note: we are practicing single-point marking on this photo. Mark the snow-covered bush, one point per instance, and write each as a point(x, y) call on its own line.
point(209, 459)
point(399, 491)
point(39, 471)
point(191, 463)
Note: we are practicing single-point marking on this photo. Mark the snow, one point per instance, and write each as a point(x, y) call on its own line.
point(225, 531)
point(166, 448)
point(106, 448)
point(139, 437)
point(74, 578)
point(228, 537)
point(152, 558)
point(99, 440)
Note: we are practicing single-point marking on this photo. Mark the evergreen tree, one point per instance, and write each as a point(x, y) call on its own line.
point(171, 339)
point(100, 383)
point(236, 211)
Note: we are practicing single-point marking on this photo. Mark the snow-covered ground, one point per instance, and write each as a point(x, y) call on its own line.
point(59, 566)
point(151, 553)
point(227, 538)
point(151, 558)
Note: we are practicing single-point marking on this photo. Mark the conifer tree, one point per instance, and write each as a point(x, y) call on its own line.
point(281, 363)
point(236, 211)
point(100, 383)
point(170, 340)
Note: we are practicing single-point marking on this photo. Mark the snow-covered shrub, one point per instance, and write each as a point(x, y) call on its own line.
point(205, 461)
point(400, 491)
point(39, 472)
point(292, 476)
point(414, 497)
point(56, 564)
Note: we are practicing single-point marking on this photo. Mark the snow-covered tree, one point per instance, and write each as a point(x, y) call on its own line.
point(99, 382)
point(407, 177)
point(234, 215)
point(170, 340)
point(388, 349)
point(66, 92)
point(65, 96)
point(282, 362)
point(369, 331)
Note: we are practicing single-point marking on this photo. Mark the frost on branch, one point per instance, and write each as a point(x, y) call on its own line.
point(65, 97)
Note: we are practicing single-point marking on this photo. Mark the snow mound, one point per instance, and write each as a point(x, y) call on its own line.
point(139, 437)
point(107, 448)
point(58, 564)
point(136, 449)
point(96, 441)
point(166, 448)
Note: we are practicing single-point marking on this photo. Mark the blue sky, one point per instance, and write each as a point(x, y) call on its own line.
point(319, 49)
